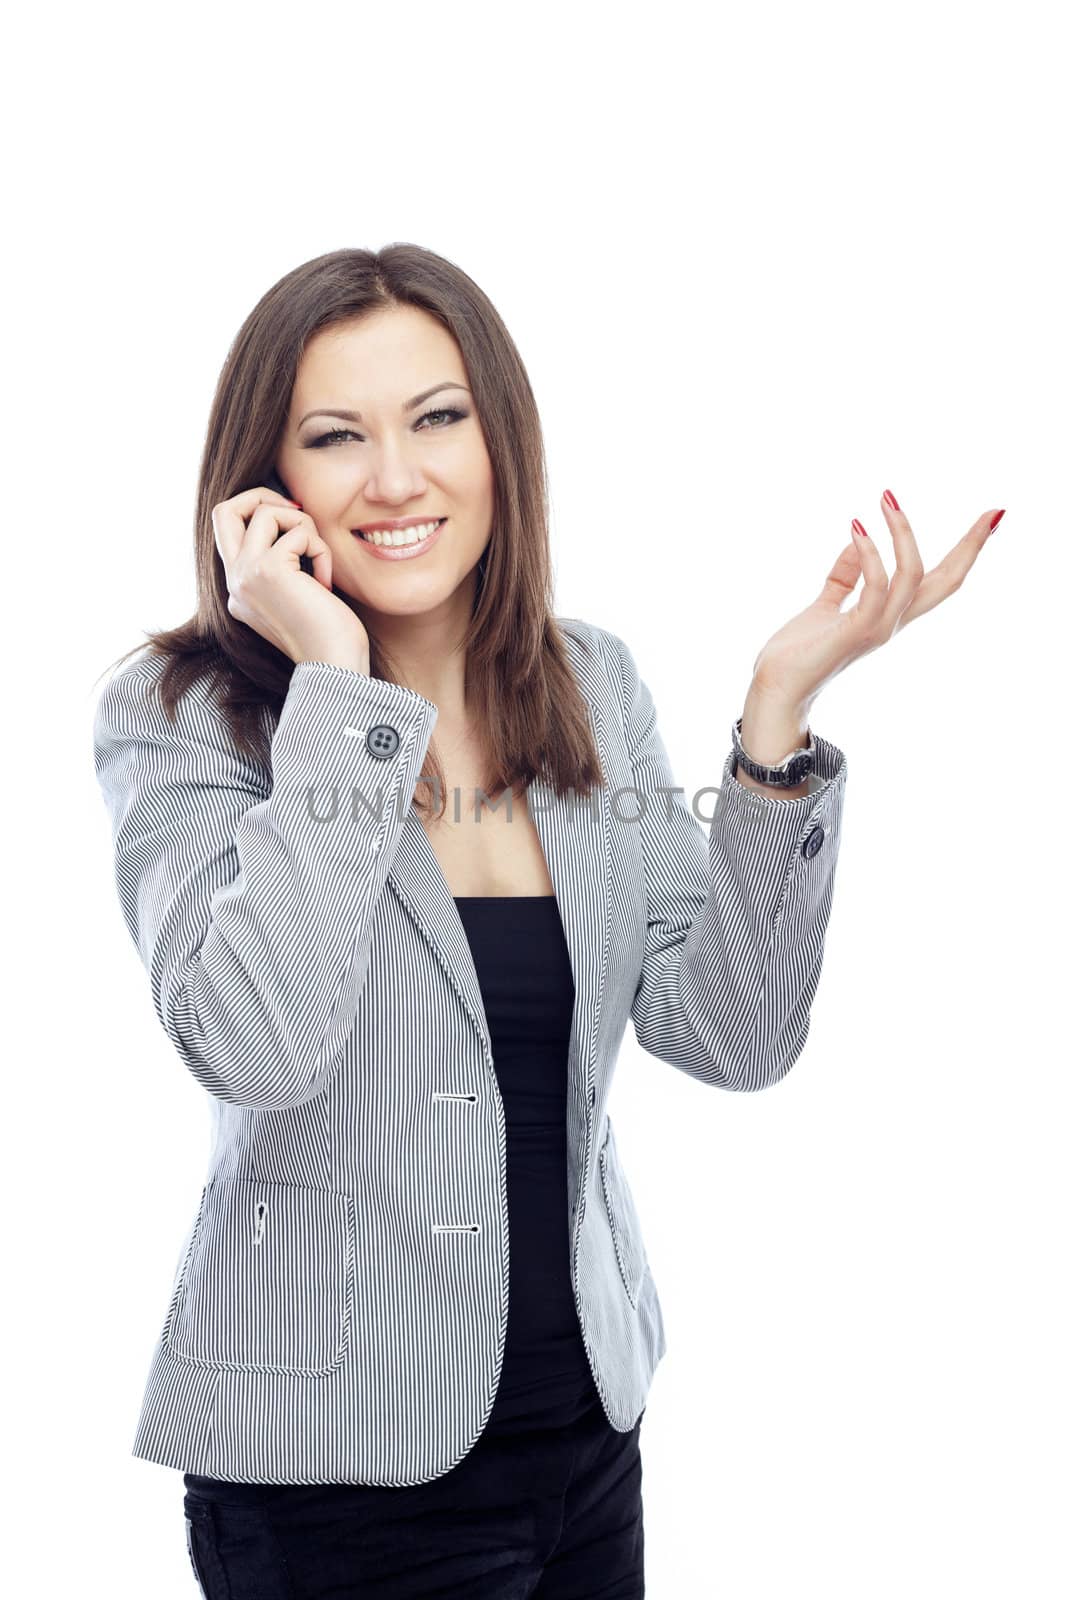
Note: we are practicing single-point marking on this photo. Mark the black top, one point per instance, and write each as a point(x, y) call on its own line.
point(520, 954)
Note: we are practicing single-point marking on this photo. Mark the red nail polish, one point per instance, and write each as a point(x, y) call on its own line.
point(891, 497)
point(858, 525)
point(297, 504)
point(995, 520)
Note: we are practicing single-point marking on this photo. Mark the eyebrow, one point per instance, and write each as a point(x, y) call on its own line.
point(409, 405)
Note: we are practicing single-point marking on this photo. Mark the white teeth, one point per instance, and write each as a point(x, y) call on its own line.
point(394, 537)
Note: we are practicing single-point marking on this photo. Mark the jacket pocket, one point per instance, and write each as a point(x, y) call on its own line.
point(622, 1214)
point(267, 1280)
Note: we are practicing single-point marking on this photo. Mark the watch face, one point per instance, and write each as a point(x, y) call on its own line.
point(794, 773)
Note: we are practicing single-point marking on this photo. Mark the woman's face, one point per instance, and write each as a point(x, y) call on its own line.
point(394, 461)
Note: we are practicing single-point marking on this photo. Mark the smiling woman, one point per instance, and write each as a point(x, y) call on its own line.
point(417, 475)
point(383, 394)
point(414, 1318)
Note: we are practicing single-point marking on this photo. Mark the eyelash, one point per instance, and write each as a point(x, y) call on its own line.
point(337, 433)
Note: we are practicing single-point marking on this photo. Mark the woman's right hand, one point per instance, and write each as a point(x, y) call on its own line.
point(296, 611)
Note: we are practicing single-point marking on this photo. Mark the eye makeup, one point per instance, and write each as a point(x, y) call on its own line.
point(324, 440)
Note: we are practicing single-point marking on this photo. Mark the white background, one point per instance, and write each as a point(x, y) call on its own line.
point(762, 262)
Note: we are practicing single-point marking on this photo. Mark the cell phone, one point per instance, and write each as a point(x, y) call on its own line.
point(273, 481)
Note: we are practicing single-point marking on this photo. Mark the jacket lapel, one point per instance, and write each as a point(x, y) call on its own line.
point(573, 836)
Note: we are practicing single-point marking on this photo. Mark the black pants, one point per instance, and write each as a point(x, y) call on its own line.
point(554, 1514)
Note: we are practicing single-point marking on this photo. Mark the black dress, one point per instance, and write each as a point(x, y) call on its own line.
point(520, 954)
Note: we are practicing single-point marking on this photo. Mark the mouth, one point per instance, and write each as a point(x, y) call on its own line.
point(400, 538)
point(404, 544)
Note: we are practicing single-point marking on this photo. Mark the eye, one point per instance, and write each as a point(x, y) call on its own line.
point(448, 412)
point(336, 434)
point(328, 438)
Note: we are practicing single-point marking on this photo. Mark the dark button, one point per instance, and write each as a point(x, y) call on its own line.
point(813, 843)
point(383, 741)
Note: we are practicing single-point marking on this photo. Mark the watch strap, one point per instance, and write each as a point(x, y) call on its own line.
point(784, 774)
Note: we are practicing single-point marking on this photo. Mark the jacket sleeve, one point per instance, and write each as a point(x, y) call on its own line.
point(250, 891)
point(737, 919)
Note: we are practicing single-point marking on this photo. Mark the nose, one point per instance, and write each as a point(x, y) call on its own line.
point(394, 479)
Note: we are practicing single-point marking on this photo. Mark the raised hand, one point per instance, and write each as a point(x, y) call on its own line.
point(820, 641)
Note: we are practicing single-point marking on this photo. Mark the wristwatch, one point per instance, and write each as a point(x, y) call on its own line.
point(785, 774)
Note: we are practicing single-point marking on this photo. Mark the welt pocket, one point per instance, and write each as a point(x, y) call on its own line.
point(267, 1280)
point(622, 1215)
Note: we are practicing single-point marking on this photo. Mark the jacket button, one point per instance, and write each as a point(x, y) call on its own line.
point(383, 741)
point(813, 843)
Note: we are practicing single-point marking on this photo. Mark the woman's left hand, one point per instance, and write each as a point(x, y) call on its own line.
point(802, 657)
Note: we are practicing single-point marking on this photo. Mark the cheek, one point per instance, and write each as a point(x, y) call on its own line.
point(484, 491)
point(475, 466)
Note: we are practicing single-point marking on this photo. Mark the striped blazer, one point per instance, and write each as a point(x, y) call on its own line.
point(340, 1300)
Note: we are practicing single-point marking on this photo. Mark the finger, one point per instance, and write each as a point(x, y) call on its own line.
point(841, 579)
point(866, 614)
point(322, 567)
point(228, 519)
point(909, 574)
point(263, 528)
point(948, 575)
point(229, 531)
point(305, 540)
point(321, 561)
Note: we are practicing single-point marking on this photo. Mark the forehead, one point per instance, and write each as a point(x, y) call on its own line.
point(384, 357)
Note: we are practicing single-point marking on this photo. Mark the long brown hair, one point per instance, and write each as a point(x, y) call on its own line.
point(519, 681)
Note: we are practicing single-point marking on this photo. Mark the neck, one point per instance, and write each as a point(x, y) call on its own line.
point(426, 651)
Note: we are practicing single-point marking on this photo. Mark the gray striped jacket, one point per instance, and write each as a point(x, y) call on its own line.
point(339, 1305)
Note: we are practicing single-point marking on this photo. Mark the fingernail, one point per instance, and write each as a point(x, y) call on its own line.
point(995, 520)
point(857, 527)
point(891, 497)
point(297, 504)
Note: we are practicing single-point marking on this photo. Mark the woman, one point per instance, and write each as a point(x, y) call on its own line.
point(402, 855)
